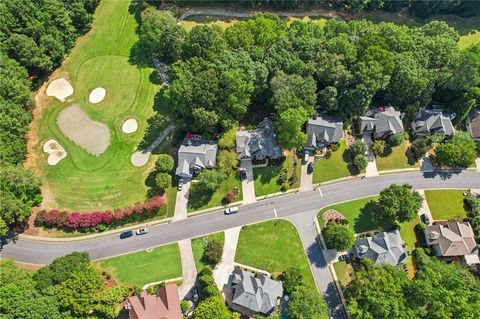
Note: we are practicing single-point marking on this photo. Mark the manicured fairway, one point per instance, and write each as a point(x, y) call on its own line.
point(144, 267)
point(105, 57)
point(445, 204)
point(198, 244)
point(397, 159)
point(273, 246)
point(333, 167)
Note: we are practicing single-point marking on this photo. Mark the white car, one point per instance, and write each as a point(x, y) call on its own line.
point(231, 210)
point(142, 231)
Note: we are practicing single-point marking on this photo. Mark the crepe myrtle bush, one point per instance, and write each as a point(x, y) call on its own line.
point(99, 220)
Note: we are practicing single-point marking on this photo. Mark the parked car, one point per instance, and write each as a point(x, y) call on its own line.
point(126, 234)
point(426, 219)
point(310, 168)
point(344, 257)
point(180, 184)
point(231, 210)
point(305, 156)
point(142, 231)
point(243, 174)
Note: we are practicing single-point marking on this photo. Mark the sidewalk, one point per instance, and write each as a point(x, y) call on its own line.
point(223, 270)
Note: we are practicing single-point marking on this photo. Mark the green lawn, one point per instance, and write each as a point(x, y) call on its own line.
point(469, 39)
point(140, 268)
point(445, 204)
point(266, 178)
point(396, 159)
point(197, 202)
point(103, 57)
point(197, 247)
point(333, 167)
point(273, 246)
point(341, 271)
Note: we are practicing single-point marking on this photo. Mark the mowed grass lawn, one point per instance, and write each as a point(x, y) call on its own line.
point(266, 178)
point(334, 167)
point(446, 204)
point(198, 247)
point(273, 246)
point(101, 58)
point(226, 186)
point(140, 268)
point(469, 39)
point(398, 158)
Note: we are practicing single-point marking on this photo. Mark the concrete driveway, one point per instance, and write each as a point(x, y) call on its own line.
point(372, 164)
point(182, 201)
point(424, 209)
point(248, 186)
point(223, 270)
point(189, 270)
point(306, 182)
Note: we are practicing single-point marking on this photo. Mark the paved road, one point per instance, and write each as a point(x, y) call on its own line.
point(41, 252)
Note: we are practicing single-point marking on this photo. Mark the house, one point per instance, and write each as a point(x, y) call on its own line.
point(381, 122)
point(452, 239)
point(194, 155)
point(252, 294)
point(258, 144)
point(323, 131)
point(382, 248)
point(473, 124)
point(431, 122)
point(164, 305)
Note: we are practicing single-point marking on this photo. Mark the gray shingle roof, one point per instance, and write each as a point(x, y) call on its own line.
point(382, 123)
point(451, 238)
point(256, 293)
point(196, 154)
point(383, 248)
point(432, 121)
point(324, 130)
point(259, 143)
point(473, 124)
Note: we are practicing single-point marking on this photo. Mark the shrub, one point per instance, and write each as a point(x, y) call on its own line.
point(378, 147)
point(419, 148)
point(229, 197)
point(360, 162)
point(334, 147)
point(292, 279)
point(227, 140)
point(212, 254)
point(358, 147)
point(395, 139)
point(163, 180)
point(164, 163)
point(338, 237)
point(421, 226)
point(184, 305)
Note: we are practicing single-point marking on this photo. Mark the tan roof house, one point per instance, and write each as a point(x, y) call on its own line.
point(164, 305)
point(452, 239)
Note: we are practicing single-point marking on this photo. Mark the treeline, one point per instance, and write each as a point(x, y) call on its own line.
point(265, 67)
point(69, 287)
point(34, 37)
point(420, 9)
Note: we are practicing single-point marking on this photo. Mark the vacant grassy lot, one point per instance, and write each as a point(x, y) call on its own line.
point(266, 178)
point(140, 268)
point(102, 58)
point(445, 204)
point(273, 246)
point(198, 244)
point(198, 202)
point(327, 169)
point(396, 158)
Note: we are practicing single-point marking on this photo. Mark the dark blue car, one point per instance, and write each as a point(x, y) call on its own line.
point(126, 234)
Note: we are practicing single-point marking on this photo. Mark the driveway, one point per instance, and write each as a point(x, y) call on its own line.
point(189, 270)
point(372, 164)
point(306, 182)
point(223, 270)
point(424, 209)
point(182, 201)
point(323, 278)
point(477, 163)
point(248, 186)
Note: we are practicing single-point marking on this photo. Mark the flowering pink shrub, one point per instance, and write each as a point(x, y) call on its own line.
point(90, 220)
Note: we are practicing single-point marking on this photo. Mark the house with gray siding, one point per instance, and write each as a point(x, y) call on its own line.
point(323, 130)
point(381, 122)
point(194, 155)
point(431, 122)
point(258, 144)
point(382, 248)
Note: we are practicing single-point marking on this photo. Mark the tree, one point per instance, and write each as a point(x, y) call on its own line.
point(154, 25)
point(328, 99)
point(360, 162)
point(207, 286)
point(212, 253)
point(419, 148)
point(289, 128)
point(395, 139)
point(338, 237)
point(213, 307)
point(305, 303)
point(205, 42)
point(164, 163)
point(358, 147)
point(378, 147)
point(227, 161)
point(292, 280)
point(163, 180)
point(399, 202)
point(210, 179)
point(460, 151)
point(227, 140)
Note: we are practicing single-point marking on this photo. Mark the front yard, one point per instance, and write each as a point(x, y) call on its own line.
point(140, 268)
point(336, 166)
point(266, 179)
point(446, 204)
point(198, 247)
point(396, 158)
point(196, 202)
point(273, 246)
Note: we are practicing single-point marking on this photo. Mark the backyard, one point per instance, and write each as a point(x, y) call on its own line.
point(273, 246)
point(396, 158)
point(446, 204)
point(104, 57)
point(200, 200)
point(333, 167)
point(140, 268)
point(266, 179)
point(198, 247)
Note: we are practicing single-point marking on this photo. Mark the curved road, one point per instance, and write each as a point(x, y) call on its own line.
point(43, 252)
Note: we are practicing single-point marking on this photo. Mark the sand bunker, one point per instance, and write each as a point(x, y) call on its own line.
point(90, 135)
point(130, 126)
point(140, 158)
point(55, 150)
point(97, 95)
point(60, 88)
